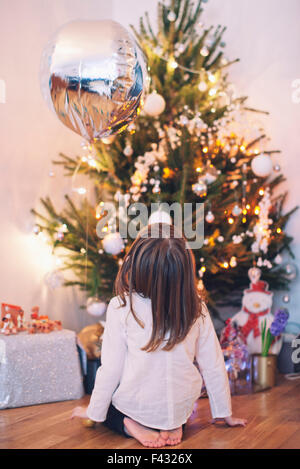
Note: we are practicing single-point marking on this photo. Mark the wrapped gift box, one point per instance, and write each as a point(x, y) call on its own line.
point(39, 368)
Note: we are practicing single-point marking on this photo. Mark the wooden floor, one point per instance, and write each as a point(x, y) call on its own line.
point(273, 422)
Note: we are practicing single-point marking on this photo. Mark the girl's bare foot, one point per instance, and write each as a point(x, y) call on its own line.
point(144, 435)
point(172, 437)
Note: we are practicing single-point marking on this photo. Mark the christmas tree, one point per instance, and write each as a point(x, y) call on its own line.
point(193, 142)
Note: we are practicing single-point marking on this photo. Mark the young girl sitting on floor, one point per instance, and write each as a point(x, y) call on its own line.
point(156, 327)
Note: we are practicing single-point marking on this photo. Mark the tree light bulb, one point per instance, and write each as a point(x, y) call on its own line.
point(204, 51)
point(81, 190)
point(212, 78)
point(173, 64)
point(202, 86)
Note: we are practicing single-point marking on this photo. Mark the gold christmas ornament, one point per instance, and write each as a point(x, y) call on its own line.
point(88, 423)
point(90, 339)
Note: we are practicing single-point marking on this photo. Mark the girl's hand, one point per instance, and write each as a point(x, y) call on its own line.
point(79, 412)
point(234, 422)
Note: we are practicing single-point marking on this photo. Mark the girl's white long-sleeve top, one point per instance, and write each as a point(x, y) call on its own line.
point(157, 389)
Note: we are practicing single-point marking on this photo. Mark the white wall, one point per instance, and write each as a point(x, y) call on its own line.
point(262, 33)
point(31, 136)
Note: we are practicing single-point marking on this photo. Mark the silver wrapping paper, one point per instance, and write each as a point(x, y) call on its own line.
point(39, 368)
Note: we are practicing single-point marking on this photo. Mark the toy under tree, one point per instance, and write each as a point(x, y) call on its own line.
point(193, 142)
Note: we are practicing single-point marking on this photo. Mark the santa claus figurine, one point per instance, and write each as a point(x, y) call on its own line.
point(256, 308)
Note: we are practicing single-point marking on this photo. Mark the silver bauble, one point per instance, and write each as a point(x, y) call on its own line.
point(290, 271)
point(209, 217)
point(236, 211)
point(95, 307)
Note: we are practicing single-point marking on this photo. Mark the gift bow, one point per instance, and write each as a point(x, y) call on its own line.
point(253, 324)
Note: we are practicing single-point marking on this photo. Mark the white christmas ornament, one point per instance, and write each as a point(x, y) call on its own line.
point(236, 211)
point(262, 165)
point(113, 243)
point(160, 216)
point(128, 150)
point(171, 16)
point(54, 279)
point(154, 104)
point(210, 174)
point(200, 188)
point(209, 217)
point(95, 307)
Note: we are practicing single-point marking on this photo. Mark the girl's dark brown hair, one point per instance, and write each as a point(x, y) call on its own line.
point(159, 266)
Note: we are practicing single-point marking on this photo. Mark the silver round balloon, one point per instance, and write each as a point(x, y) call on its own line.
point(94, 76)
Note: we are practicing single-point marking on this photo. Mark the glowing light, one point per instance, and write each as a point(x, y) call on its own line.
point(261, 192)
point(202, 86)
point(212, 92)
point(173, 64)
point(242, 148)
point(212, 78)
point(256, 151)
point(198, 170)
point(230, 221)
point(168, 173)
point(233, 262)
point(278, 230)
point(203, 268)
point(84, 159)
point(225, 265)
point(244, 212)
point(58, 262)
point(92, 163)
point(81, 190)
point(257, 210)
point(205, 150)
point(244, 220)
point(248, 207)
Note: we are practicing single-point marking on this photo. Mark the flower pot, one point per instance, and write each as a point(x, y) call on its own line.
point(264, 370)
